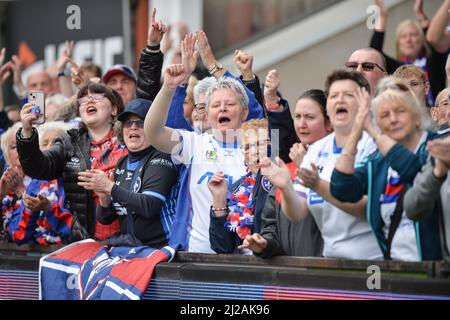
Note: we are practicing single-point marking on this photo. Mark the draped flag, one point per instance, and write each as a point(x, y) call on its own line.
point(88, 270)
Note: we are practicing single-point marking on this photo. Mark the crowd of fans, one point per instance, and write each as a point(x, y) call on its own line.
point(217, 163)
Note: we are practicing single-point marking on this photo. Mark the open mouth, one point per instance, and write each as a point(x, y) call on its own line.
point(134, 136)
point(224, 120)
point(91, 110)
point(341, 112)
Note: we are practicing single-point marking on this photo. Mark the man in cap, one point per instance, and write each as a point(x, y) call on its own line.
point(122, 79)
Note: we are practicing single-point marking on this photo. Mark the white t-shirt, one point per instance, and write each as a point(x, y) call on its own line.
point(404, 243)
point(202, 155)
point(344, 235)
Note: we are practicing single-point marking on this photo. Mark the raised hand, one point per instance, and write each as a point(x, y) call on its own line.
point(65, 56)
point(188, 55)
point(205, 51)
point(95, 180)
point(17, 75)
point(11, 180)
point(297, 153)
point(27, 117)
point(363, 119)
point(244, 62)
point(174, 75)
point(271, 85)
point(218, 187)
point(420, 14)
point(277, 172)
point(440, 149)
point(309, 177)
point(382, 20)
point(255, 242)
point(5, 70)
point(156, 30)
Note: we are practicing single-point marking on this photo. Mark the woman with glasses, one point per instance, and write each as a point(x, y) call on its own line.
point(412, 48)
point(387, 173)
point(93, 146)
point(140, 195)
point(440, 113)
point(345, 233)
point(278, 235)
point(237, 213)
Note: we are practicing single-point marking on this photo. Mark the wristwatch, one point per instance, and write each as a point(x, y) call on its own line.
point(217, 66)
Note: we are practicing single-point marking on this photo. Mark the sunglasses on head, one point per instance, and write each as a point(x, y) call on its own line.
point(366, 66)
point(129, 123)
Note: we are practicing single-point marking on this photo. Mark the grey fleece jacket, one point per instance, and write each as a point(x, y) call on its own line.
point(420, 200)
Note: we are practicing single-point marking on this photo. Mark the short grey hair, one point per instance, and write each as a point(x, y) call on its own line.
point(5, 138)
point(59, 99)
point(52, 126)
point(230, 84)
point(202, 87)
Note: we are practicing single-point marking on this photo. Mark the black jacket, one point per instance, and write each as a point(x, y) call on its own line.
point(67, 157)
point(288, 238)
point(149, 74)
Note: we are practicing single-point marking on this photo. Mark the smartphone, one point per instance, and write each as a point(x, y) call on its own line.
point(37, 99)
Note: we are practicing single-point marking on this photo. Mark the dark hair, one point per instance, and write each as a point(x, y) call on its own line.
point(112, 95)
point(318, 96)
point(342, 74)
point(92, 67)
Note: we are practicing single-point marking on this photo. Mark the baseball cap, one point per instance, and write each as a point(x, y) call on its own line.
point(138, 107)
point(122, 69)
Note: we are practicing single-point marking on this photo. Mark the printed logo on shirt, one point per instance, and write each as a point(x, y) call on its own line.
point(120, 211)
point(211, 155)
point(208, 175)
point(315, 198)
point(323, 154)
point(129, 176)
point(73, 163)
point(137, 185)
point(265, 184)
point(120, 171)
point(161, 162)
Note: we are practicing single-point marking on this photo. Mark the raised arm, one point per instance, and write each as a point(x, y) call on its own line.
point(189, 58)
point(64, 81)
point(161, 137)
point(437, 35)
point(310, 179)
point(244, 62)
point(278, 174)
point(151, 61)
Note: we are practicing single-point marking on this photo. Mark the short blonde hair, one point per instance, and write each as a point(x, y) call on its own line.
point(407, 70)
point(395, 90)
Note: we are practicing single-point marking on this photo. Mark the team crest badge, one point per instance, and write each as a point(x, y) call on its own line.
point(137, 185)
point(265, 184)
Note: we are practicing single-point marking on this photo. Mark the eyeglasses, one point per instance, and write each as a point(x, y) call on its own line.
point(258, 144)
point(366, 66)
point(200, 107)
point(95, 97)
point(129, 123)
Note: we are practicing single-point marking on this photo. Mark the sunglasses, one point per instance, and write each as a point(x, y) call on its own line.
point(366, 66)
point(129, 123)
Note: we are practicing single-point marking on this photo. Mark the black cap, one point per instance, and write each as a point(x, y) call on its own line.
point(138, 107)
